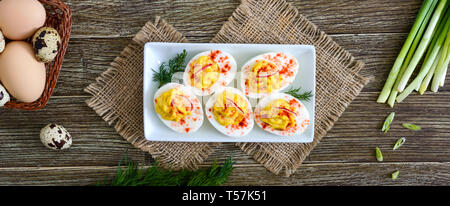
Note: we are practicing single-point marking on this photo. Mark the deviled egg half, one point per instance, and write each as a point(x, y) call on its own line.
point(230, 112)
point(282, 114)
point(268, 73)
point(178, 108)
point(207, 71)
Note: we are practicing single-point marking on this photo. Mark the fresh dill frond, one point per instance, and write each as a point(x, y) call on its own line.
point(295, 92)
point(213, 176)
point(167, 70)
point(135, 175)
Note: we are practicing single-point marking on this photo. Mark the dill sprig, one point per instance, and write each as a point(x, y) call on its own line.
point(166, 71)
point(134, 175)
point(295, 92)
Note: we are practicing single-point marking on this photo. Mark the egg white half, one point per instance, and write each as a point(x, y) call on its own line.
point(226, 76)
point(229, 130)
point(302, 115)
point(191, 122)
point(281, 60)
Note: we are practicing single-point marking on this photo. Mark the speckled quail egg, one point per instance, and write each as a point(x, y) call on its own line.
point(2, 42)
point(56, 137)
point(4, 96)
point(46, 44)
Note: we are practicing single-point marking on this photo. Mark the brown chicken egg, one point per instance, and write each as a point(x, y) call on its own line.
point(20, 72)
point(19, 19)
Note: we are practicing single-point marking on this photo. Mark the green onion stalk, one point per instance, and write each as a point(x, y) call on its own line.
point(442, 65)
point(422, 46)
point(393, 74)
point(445, 71)
point(430, 61)
point(427, 79)
point(438, 30)
point(423, 25)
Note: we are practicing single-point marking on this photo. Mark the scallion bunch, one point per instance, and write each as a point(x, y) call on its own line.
point(429, 39)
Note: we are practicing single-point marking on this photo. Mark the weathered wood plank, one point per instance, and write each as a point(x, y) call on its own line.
point(199, 19)
point(349, 174)
point(352, 139)
point(430, 173)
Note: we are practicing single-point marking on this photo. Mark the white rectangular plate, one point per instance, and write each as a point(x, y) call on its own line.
point(158, 52)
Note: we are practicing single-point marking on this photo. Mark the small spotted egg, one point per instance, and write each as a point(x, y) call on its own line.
point(4, 96)
point(46, 44)
point(56, 137)
point(2, 42)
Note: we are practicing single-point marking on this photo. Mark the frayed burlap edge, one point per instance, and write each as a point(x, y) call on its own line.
point(160, 31)
point(231, 32)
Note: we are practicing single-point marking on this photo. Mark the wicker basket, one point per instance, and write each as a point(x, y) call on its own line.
point(59, 17)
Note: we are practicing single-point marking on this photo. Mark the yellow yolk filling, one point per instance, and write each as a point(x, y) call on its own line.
point(277, 118)
point(204, 72)
point(173, 105)
point(264, 77)
point(229, 109)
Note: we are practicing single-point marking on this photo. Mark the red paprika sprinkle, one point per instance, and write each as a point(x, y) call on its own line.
point(213, 54)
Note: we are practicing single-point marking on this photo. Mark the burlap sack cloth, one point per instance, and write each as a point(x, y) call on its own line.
point(117, 93)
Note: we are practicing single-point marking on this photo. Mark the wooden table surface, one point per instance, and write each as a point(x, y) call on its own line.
point(373, 31)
